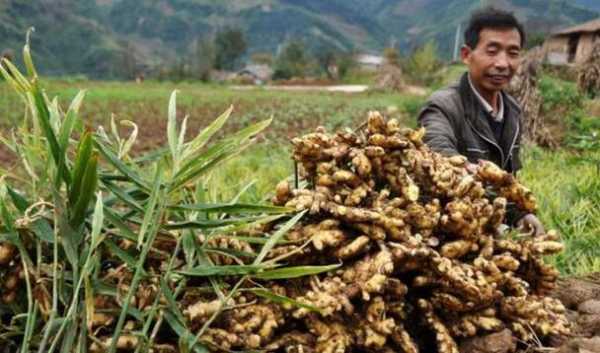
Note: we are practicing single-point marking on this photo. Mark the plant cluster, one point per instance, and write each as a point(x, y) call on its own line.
point(100, 251)
point(588, 75)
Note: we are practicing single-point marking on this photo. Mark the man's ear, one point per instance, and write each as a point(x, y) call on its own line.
point(465, 54)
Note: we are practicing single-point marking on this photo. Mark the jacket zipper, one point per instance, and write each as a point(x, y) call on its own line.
point(512, 145)
point(490, 141)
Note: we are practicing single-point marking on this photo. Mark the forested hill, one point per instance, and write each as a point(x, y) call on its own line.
point(98, 37)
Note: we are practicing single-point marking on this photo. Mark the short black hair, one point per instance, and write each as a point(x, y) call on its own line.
point(490, 17)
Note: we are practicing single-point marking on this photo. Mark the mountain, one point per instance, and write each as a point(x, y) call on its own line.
point(589, 4)
point(102, 38)
point(69, 38)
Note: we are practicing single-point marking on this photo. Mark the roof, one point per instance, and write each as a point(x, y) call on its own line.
point(369, 59)
point(586, 27)
point(263, 72)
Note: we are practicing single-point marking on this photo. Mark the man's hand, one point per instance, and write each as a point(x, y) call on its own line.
point(531, 224)
point(471, 167)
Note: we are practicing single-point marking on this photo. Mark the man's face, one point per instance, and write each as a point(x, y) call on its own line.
point(493, 62)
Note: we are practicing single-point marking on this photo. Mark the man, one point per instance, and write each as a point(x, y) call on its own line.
point(475, 117)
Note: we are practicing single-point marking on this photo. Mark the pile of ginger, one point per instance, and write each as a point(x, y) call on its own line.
point(428, 252)
point(427, 258)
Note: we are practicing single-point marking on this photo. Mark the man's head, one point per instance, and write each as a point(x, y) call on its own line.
point(493, 42)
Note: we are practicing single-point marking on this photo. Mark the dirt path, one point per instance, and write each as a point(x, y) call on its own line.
point(336, 88)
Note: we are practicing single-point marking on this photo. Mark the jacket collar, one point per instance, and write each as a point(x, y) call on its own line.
point(475, 116)
point(499, 116)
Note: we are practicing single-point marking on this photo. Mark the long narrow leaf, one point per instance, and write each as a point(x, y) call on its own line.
point(171, 303)
point(88, 188)
point(204, 164)
point(231, 208)
point(122, 195)
point(273, 239)
point(43, 116)
point(184, 334)
point(238, 138)
point(97, 222)
point(127, 144)
point(18, 200)
point(294, 272)
point(42, 229)
point(82, 158)
point(210, 223)
point(190, 247)
point(153, 155)
point(199, 141)
point(70, 121)
point(181, 140)
point(172, 126)
point(225, 270)
point(116, 220)
point(148, 215)
point(14, 77)
point(27, 56)
point(122, 255)
point(120, 166)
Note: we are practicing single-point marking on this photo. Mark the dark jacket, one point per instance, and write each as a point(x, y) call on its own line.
point(456, 123)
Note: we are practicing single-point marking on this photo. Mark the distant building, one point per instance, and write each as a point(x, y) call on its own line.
point(258, 73)
point(572, 45)
point(369, 61)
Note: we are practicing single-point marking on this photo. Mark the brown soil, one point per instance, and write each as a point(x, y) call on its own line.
point(307, 81)
point(581, 297)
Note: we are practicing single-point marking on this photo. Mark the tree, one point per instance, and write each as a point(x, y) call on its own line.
point(262, 58)
point(129, 61)
point(204, 58)
point(292, 61)
point(391, 56)
point(326, 59)
point(230, 45)
point(423, 64)
point(345, 63)
point(535, 39)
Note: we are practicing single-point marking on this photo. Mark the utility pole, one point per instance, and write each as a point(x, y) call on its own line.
point(456, 44)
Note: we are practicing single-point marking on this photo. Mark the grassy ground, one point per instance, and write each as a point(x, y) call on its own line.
point(568, 191)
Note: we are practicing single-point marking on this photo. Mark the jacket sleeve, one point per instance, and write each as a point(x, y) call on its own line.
point(439, 135)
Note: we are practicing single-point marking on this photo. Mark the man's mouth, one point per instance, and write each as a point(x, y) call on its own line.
point(498, 79)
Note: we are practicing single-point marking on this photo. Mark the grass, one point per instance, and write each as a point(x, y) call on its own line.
point(568, 194)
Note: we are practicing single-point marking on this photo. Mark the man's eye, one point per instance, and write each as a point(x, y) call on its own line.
point(514, 54)
point(492, 51)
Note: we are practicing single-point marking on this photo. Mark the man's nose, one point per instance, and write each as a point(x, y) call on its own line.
point(501, 61)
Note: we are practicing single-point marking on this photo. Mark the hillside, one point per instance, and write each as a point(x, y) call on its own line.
point(68, 37)
point(590, 4)
point(101, 38)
